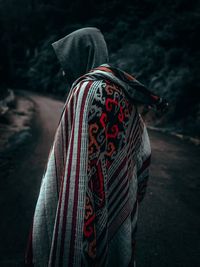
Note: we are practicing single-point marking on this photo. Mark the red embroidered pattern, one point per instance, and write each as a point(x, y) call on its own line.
point(106, 137)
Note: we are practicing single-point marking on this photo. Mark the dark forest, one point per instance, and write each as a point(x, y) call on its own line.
point(156, 41)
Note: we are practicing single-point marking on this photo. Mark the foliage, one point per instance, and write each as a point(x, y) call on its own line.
point(157, 41)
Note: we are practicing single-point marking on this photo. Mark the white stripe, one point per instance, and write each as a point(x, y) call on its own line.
point(83, 179)
point(78, 96)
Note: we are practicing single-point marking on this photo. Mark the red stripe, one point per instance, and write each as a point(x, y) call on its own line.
point(63, 229)
point(53, 259)
point(73, 232)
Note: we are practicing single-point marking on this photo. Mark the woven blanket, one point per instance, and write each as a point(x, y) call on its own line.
point(97, 173)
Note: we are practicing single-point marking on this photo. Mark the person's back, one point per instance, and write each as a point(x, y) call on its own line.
point(119, 156)
point(97, 172)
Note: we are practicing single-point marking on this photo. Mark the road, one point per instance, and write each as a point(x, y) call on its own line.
point(20, 182)
point(169, 218)
point(169, 221)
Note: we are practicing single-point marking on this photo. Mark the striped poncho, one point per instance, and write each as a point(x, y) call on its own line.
point(97, 171)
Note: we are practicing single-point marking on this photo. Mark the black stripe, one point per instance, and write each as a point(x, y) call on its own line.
point(116, 209)
point(110, 198)
point(116, 172)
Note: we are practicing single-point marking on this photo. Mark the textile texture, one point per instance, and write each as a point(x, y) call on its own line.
point(97, 173)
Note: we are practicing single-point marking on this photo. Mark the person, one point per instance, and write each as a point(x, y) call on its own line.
point(98, 167)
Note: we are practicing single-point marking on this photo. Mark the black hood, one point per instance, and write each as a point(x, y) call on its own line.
point(80, 51)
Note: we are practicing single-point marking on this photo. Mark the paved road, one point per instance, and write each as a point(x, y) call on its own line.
point(169, 221)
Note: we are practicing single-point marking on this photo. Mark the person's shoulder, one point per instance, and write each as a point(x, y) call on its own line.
point(102, 92)
point(86, 86)
point(95, 91)
point(108, 92)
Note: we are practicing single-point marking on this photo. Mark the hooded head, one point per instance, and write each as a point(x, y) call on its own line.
point(81, 51)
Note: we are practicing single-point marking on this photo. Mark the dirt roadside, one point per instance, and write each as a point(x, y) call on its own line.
point(21, 167)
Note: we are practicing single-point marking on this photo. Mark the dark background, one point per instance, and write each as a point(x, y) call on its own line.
point(156, 41)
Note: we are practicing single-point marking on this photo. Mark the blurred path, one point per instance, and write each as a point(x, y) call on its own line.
point(20, 186)
point(169, 221)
